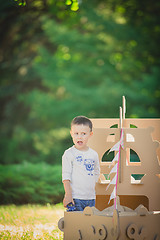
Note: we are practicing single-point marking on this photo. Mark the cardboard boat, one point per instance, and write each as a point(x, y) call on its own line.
point(137, 212)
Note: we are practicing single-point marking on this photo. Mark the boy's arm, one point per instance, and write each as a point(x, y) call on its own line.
point(68, 193)
point(66, 178)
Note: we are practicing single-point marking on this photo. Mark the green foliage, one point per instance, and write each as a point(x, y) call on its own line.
point(56, 63)
point(21, 2)
point(35, 146)
point(97, 61)
point(74, 4)
point(30, 183)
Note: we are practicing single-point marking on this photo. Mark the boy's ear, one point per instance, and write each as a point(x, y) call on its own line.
point(91, 133)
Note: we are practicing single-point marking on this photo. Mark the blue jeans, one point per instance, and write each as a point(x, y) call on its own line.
point(81, 204)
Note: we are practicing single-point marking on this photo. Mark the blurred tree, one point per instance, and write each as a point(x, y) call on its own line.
point(56, 63)
point(30, 183)
point(21, 34)
point(117, 57)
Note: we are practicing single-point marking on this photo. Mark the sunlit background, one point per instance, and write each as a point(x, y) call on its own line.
point(57, 63)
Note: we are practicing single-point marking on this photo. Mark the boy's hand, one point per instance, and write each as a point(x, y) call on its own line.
point(67, 199)
point(68, 193)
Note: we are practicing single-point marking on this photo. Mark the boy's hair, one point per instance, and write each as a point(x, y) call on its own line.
point(82, 120)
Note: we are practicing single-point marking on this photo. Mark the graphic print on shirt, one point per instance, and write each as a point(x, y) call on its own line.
point(89, 164)
point(79, 159)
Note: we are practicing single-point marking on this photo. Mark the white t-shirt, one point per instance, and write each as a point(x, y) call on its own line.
point(82, 169)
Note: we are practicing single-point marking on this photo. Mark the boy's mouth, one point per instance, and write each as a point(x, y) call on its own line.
point(80, 142)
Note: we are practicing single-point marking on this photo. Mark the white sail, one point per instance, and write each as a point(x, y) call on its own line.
point(114, 169)
point(113, 194)
point(115, 147)
point(112, 182)
point(115, 159)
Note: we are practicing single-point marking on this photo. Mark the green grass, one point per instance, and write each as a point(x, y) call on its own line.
point(30, 222)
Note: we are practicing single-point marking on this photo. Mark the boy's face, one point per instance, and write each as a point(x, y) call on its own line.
point(80, 135)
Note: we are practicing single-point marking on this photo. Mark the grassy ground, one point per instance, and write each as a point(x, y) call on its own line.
point(30, 222)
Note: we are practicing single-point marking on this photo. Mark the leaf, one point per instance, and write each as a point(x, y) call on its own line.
point(74, 6)
point(68, 2)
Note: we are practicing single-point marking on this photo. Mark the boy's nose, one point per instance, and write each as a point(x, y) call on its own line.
point(79, 136)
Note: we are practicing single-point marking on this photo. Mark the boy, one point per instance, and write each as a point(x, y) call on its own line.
point(80, 166)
